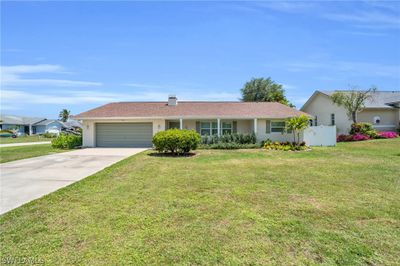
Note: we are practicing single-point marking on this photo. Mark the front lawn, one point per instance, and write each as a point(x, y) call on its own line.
point(23, 139)
point(326, 206)
point(8, 154)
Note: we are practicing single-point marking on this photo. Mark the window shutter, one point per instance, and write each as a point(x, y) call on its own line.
point(268, 126)
point(198, 127)
point(234, 126)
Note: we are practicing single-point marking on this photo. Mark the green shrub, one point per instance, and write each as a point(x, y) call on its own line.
point(64, 141)
point(6, 131)
point(49, 135)
point(237, 138)
point(284, 146)
point(229, 146)
point(363, 128)
point(176, 141)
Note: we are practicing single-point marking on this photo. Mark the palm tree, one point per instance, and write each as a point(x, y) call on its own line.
point(64, 114)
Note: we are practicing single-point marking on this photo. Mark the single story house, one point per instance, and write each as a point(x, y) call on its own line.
point(22, 125)
point(133, 124)
point(382, 110)
point(48, 126)
point(36, 125)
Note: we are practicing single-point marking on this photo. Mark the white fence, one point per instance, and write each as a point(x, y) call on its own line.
point(320, 136)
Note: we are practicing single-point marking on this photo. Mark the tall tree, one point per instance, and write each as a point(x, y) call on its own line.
point(264, 90)
point(353, 101)
point(64, 115)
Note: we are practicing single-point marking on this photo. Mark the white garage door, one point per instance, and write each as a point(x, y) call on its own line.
point(124, 135)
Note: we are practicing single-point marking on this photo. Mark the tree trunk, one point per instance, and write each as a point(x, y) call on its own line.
point(354, 116)
point(294, 136)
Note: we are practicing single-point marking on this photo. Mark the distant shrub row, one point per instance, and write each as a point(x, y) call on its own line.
point(237, 138)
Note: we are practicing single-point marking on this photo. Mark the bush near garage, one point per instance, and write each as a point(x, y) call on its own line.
point(66, 141)
point(176, 141)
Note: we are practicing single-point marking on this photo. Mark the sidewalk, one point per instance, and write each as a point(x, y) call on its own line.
point(24, 144)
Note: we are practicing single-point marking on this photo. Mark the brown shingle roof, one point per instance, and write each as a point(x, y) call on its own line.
point(192, 109)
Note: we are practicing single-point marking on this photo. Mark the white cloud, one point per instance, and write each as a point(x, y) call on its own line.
point(17, 99)
point(350, 67)
point(13, 76)
point(42, 68)
point(145, 86)
point(369, 18)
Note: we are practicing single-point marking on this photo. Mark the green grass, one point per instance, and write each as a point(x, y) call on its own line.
point(8, 154)
point(329, 206)
point(24, 139)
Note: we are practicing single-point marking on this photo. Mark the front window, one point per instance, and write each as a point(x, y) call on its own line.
point(332, 119)
point(208, 128)
point(226, 128)
point(174, 124)
point(277, 126)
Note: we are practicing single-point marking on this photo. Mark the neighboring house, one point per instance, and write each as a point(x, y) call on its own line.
point(22, 125)
point(35, 125)
point(49, 126)
point(382, 111)
point(73, 125)
point(132, 124)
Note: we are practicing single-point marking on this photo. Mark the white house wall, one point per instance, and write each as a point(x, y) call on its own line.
point(322, 107)
point(273, 136)
point(387, 117)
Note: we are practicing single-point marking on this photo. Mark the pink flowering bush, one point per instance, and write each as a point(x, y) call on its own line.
point(343, 137)
point(358, 137)
point(387, 135)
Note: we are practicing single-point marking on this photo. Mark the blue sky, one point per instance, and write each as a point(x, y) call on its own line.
point(79, 55)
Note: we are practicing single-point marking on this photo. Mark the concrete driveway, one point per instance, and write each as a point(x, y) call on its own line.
point(29, 179)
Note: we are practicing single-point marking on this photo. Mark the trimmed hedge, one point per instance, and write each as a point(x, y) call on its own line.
point(176, 141)
point(229, 146)
point(237, 138)
point(64, 141)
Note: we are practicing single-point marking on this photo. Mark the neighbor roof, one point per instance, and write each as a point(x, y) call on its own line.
point(47, 121)
point(379, 99)
point(192, 109)
point(19, 120)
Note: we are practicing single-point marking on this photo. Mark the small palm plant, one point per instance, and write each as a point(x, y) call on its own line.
point(64, 115)
point(297, 124)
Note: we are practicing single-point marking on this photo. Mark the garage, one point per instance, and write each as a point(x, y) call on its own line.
point(124, 135)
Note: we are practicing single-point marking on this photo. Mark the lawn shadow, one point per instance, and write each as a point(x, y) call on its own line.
point(171, 155)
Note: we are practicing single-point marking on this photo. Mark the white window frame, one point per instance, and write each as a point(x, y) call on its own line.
point(277, 121)
point(170, 122)
point(333, 119)
point(226, 128)
point(210, 129)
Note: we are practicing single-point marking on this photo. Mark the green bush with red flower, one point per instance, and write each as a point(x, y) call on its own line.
point(365, 131)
